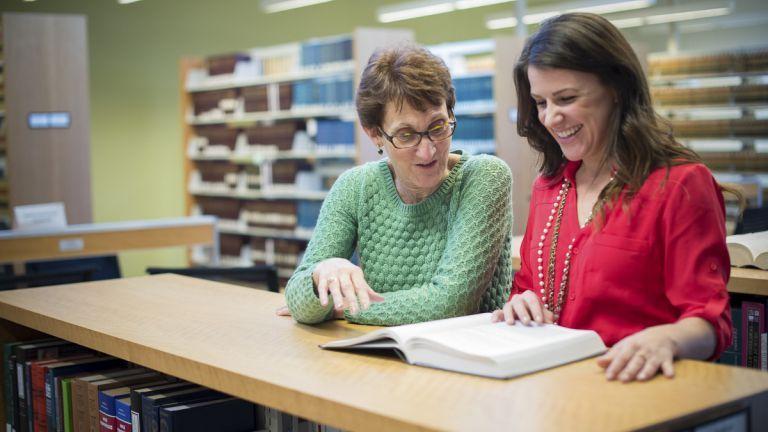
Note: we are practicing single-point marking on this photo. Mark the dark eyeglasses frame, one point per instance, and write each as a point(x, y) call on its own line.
point(451, 123)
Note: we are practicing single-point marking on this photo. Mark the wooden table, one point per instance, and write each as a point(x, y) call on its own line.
point(228, 338)
point(107, 238)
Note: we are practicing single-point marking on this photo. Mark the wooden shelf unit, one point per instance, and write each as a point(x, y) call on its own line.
point(228, 338)
point(257, 126)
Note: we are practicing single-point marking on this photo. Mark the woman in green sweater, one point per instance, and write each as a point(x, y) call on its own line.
point(431, 226)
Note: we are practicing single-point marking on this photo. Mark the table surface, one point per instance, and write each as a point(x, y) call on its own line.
point(228, 338)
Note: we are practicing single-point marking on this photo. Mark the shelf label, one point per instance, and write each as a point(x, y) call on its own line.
point(71, 244)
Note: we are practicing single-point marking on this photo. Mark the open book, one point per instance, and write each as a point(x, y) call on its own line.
point(749, 249)
point(474, 345)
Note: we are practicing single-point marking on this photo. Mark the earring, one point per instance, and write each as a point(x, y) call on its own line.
point(380, 151)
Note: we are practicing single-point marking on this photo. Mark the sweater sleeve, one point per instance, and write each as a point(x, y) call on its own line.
point(697, 266)
point(476, 237)
point(334, 236)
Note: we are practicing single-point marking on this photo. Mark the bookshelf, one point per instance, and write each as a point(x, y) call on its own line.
point(235, 344)
point(718, 105)
point(266, 133)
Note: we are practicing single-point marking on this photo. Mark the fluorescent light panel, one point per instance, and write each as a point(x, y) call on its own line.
point(273, 6)
point(417, 9)
point(119, 1)
point(676, 13)
point(537, 15)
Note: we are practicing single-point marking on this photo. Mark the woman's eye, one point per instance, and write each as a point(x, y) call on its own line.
point(567, 99)
point(404, 135)
point(541, 104)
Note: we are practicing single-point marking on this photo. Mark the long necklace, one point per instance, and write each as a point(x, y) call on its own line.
point(546, 287)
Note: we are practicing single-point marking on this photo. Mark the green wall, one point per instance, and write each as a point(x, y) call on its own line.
point(137, 153)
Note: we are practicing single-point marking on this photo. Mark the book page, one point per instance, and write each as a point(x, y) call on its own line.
point(497, 340)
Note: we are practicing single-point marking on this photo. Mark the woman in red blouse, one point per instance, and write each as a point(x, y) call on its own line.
point(626, 230)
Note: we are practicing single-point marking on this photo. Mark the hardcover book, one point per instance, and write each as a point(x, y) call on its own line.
point(224, 415)
point(749, 249)
point(474, 345)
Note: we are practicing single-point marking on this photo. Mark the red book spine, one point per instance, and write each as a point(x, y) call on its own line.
point(106, 422)
point(123, 426)
point(37, 373)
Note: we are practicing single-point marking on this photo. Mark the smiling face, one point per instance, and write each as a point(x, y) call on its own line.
point(418, 170)
point(575, 107)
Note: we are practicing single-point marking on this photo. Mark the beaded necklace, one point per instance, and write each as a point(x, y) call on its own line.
point(546, 287)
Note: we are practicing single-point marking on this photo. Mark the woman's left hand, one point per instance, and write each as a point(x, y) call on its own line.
point(641, 355)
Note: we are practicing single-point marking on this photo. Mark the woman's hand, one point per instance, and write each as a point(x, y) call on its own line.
point(525, 307)
point(641, 355)
point(345, 283)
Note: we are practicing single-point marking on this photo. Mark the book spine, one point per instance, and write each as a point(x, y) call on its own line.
point(166, 421)
point(51, 419)
point(22, 398)
point(122, 416)
point(39, 408)
point(30, 427)
point(135, 421)
point(106, 413)
point(753, 327)
point(11, 394)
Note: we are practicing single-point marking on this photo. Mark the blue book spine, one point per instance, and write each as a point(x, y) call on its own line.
point(123, 421)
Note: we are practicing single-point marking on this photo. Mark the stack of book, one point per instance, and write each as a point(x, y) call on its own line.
point(474, 88)
point(323, 92)
point(475, 134)
point(269, 214)
point(316, 53)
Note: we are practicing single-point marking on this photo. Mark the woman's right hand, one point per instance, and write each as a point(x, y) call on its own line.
point(525, 307)
point(345, 283)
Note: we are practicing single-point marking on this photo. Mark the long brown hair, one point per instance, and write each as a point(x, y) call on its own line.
point(642, 140)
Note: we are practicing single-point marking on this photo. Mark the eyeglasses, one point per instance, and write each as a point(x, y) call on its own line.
point(407, 138)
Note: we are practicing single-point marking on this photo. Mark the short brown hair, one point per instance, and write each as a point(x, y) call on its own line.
point(405, 73)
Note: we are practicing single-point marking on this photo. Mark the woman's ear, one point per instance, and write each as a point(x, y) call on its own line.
point(373, 134)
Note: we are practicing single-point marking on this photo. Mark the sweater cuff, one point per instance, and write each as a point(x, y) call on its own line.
point(304, 304)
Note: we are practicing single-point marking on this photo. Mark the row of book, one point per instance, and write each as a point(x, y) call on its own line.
point(738, 61)
point(316, 53)
point(710, 95)
point(474, 88)
point(277, 214)
point(54, 385)
point(334, 91)
point(749, 347)
point(718, 128)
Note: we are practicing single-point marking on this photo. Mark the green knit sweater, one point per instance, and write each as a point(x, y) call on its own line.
point(446, 256)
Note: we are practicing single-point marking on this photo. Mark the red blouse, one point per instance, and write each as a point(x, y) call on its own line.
point(661, 260)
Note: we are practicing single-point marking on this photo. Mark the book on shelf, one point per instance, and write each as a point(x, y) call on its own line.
point(749, 249)
point(151, 404)
point(753, 335)
point(107, 399)
point(139, 393)
point(80, 389)
point(225, 414)
point(123, 414)
point(475, 345)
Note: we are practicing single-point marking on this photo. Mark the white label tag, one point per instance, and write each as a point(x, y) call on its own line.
point(71, 244)
point(40, 216)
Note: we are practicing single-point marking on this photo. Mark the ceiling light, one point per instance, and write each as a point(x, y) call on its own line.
point(422, 8)
point(272, 6)
point(416, 9)
point(537, 15)
point(675, 13)
point(468, 4)
point(122, 1)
